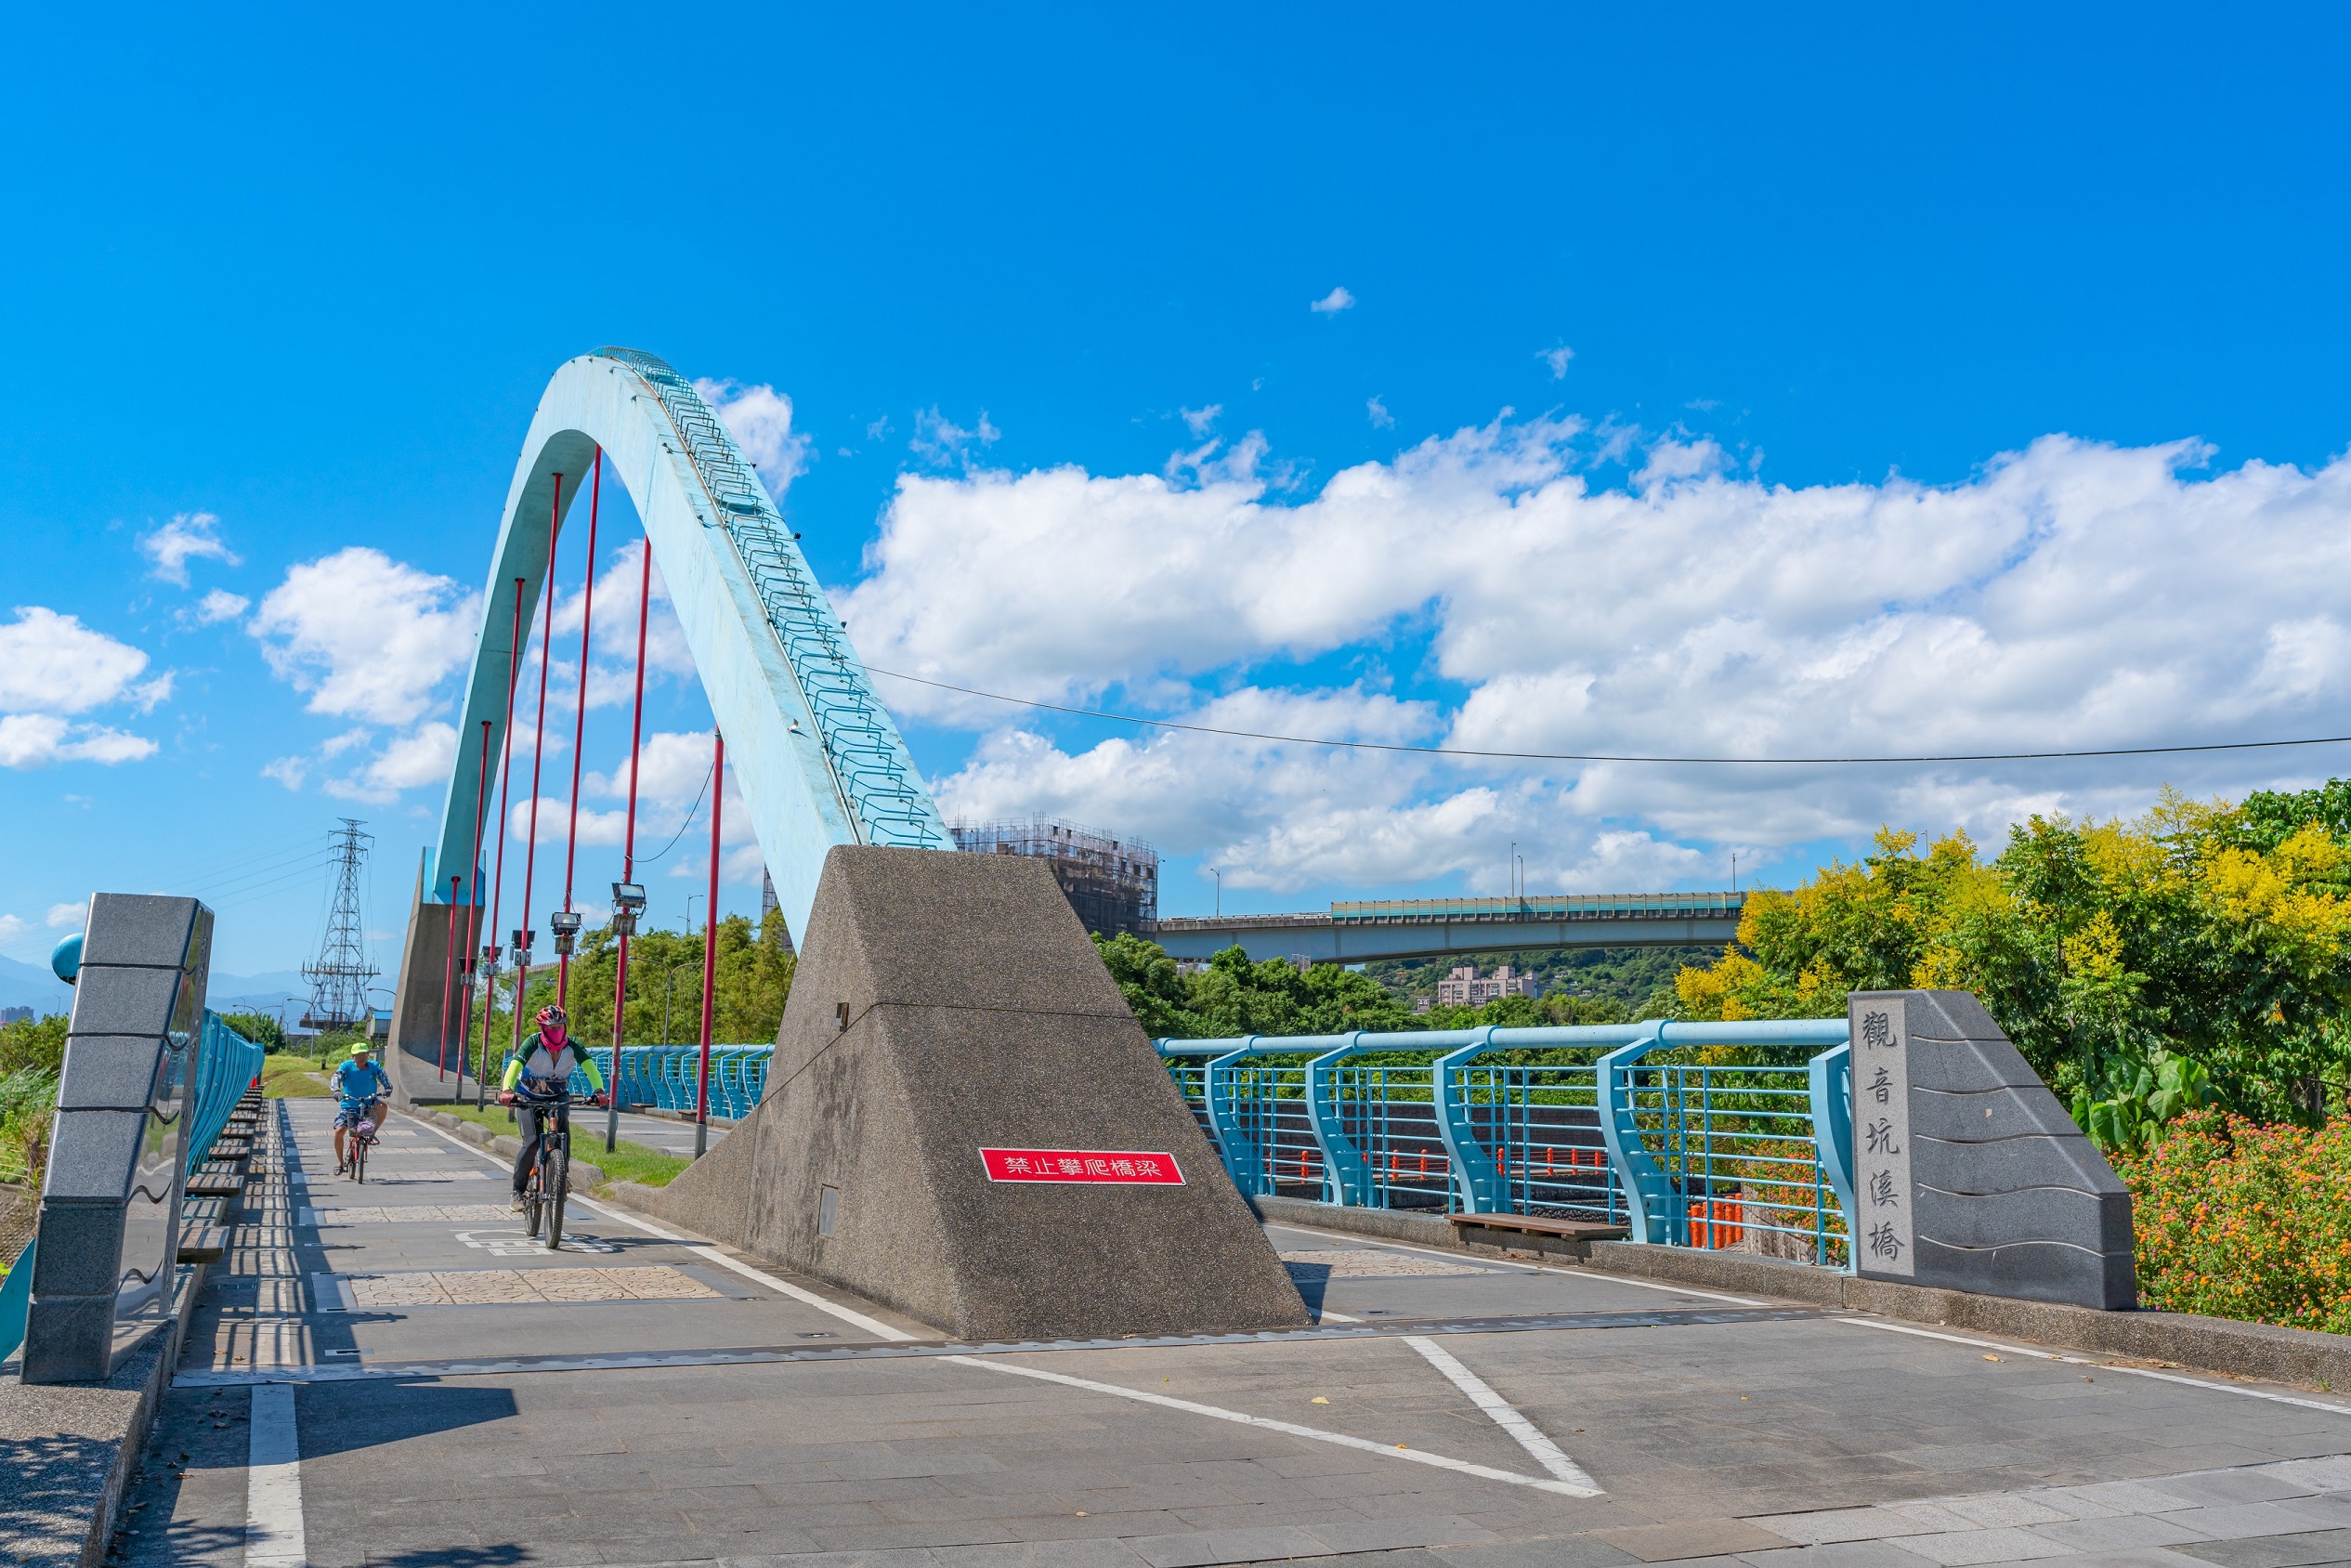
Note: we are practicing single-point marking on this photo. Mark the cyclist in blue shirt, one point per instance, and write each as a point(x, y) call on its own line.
point(360, 1091)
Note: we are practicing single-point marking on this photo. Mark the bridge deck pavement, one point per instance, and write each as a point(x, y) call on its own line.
point(1716, 1433)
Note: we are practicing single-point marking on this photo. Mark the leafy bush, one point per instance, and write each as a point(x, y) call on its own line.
point(27, 1106)
point(33, 1043)
point(259, 1027)
point(2240, 1220)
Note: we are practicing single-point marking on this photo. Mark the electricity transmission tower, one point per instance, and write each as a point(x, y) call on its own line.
point(340, 975)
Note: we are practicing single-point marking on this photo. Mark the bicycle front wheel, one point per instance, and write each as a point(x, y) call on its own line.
point(558, 1188)
point(359, 1158)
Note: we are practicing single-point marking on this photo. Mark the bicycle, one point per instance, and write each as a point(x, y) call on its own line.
point(549, 1182)
point(356, 1144)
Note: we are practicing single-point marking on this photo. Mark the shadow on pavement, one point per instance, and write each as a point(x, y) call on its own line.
point(346, 1418)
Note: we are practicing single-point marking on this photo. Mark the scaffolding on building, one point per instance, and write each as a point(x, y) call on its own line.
point(1113, 884)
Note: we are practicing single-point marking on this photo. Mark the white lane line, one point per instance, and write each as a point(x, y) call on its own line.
point(273, 1482)
point(872, 1325)
point(1509, 1263)
point(2092, 1361)
point(1393, 1451)
point(1335, 1317)
point(1527, 1434)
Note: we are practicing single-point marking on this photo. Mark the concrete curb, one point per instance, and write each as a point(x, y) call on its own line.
point(589, 1176)
point(2257, 1350)
point(41, 1422)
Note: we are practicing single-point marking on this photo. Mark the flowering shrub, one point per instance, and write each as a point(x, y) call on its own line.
point(2240, 1220)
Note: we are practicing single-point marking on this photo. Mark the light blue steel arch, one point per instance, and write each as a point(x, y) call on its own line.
point(818, 756)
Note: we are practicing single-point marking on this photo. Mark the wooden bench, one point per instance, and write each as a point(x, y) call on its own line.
point(203, 1244)
point(206, 1184)
point(1536, 1225)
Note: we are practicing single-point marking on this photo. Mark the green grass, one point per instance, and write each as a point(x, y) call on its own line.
point(629, 1162)
point(285, 1076)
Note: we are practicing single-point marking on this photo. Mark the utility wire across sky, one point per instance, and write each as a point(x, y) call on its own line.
point(1607, 757)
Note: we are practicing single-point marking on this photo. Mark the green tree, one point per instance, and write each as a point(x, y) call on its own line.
point(261, 1028)
point(33, 1043)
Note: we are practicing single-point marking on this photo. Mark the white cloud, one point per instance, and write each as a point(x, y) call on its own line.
point(1380, 418)
point(940, 440)
point(612, 641)
point(1200, 419)
point(1331, 304)
point(424, 756)
point(68, 916)
point(35, 739)
point(220, 604)
point(1556, 358)
point(2071, 595)
point(189, 535)
point(12, 930)
point(51, 663)
point(760, 420)
point(367, 637)
point(288, 771)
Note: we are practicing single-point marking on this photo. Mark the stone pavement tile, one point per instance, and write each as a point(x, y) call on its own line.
point(2134, 1557)
point(2234, 1486)
point(1389, 1535)
point(1837, 1554)
point(2233, 1520)
point(1040, 1554)
point(2331, 1474)
point(2092, 1534)
point(1963, 1548)
point(1562, 1552)
point(2004, 1508)
point(2131, 1496)
point(806, 1515)
point(1300, 1514)
point(987, 1505)
point(1691, 1538)
point(927, 1532)
point(2331, 1509)
point(2308, 1551)
point(1195, 1547)
point(1836, 1525)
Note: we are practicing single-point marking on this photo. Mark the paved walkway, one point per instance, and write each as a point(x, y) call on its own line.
point(392, 1374)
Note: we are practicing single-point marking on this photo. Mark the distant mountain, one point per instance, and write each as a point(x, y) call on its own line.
point(30, 985)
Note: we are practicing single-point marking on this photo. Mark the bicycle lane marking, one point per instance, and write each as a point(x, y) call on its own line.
point(1525, 1432)
point(872, 1325)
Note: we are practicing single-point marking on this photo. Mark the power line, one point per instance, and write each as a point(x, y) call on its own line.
point(1610, 757)
point(690, 812)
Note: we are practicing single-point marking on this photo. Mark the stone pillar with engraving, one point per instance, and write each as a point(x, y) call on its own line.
point(1968, 1173)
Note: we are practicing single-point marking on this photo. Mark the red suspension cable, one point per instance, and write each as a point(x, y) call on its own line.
point(498, 876)
point(473, 914)
point(628, 849)
point(580, 722)
point(709, 945)
point(538, 754)
point(448, 973)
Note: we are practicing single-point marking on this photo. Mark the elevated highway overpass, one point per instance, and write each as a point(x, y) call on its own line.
point(1363, 931)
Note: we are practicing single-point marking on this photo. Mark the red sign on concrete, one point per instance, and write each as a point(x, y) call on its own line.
point(1082, 1165)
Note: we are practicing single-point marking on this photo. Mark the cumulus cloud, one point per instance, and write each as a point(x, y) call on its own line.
point(760, 420)
point(68, 916)
point(288, 771)
point(189, 536)
point(12, 930)
point(1380, 418)
point(940, 440)
point(424, 756)
point(1331, 304)
point(367, 637)
point(1556, 358)
point(2071, 596)
point(51, 666)
point(1200, 419)
point(218, 606)
point(52, 663)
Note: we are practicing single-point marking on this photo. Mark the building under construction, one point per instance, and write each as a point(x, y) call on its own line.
point(1113, 884)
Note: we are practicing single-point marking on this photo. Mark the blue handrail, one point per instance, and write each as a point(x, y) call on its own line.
point(1695, 1154)
point(227, 1063)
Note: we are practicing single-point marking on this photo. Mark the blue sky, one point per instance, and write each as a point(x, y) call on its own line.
point(1728, 384)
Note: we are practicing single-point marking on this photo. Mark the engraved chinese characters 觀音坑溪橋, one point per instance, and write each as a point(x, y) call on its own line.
point(1884, 1241)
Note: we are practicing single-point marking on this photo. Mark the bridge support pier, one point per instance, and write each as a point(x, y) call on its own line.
point(949, 1004)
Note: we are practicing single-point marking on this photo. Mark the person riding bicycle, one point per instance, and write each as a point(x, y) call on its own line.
point(360, 1091)
point(538, 1083)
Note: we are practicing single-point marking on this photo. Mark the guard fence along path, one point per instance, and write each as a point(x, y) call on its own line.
point(1724, 1135)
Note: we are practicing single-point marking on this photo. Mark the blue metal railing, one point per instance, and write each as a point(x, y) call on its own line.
point(1712, 1135)
point(226, 1063)
point(665, 1077)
